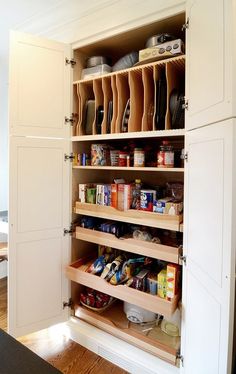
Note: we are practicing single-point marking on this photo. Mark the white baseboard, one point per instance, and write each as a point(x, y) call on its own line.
point(120, 353)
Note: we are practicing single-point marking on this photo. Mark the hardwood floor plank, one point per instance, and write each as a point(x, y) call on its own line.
point(3, 304)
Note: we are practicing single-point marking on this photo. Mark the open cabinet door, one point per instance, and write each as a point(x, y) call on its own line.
point(39, 96)
point(39, 196)
point(209, 247)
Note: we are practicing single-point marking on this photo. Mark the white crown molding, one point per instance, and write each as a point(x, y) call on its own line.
point(78, 23)
point(61, 15)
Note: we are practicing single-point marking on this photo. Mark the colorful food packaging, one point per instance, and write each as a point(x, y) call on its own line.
point(159, 205)
point(173, 280)
point(91, 195)
point(146, 199)
point(99, 154)
point(114, 195)
point(152, 284)
point(82, 192)
point(161, 280)
point(140, 280)
point(124, 196)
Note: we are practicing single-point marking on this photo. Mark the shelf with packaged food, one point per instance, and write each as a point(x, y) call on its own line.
point(76, 272)
point(129, 168)
point(149, 249)
point(139, 217)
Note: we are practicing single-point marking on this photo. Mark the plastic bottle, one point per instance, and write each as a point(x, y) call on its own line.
point(136, 194)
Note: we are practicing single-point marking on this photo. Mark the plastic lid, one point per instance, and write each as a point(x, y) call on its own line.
point(138, 149)
point(137, 180)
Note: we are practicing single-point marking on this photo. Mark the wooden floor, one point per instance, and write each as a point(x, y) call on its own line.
point(3, 304)
point(57, 348)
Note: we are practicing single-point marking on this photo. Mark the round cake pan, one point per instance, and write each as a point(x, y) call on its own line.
point(97, 60)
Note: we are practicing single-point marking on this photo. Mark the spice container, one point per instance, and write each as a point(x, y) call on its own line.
point(123, 158)
point(139, 157)
point(165, 157)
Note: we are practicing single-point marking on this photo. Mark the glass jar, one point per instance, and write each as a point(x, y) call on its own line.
point(165, 157)
point(139, 157)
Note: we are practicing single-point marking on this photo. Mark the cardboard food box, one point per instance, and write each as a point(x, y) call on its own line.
point(91, 195)
point(114, 195)
point(82, 192)
point(152, 284)
point(173, 208)
point(139, 280)
point(159, 205)
point(161, 286)
point(124, 192)
point(172, 280)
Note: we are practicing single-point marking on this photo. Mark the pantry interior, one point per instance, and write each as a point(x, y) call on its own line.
point(139, 85)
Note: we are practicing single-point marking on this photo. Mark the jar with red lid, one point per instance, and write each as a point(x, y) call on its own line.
point(165, 156)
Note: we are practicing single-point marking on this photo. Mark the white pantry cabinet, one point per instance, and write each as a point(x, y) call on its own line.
point(210, 72)
point(209, 246)
point(41, 185)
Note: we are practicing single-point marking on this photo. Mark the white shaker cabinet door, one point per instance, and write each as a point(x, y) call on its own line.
point(38, 250)
point(209, 62)
point(39, 86)
point(209, 247)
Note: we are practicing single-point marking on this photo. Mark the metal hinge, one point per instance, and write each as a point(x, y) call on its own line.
point(66, 231)
point(70, 120)
point(183, 259)
point(185, 25)
point(185, 157)
point(68, 304)
point(71, 62)
point(69, 157)
point(181, 358)
point(185, 104)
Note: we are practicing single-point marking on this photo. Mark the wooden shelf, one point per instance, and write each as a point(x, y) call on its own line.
point(114, 322)
point(180, 60)
point(125, 168)
point(149, 249)
point(139, 217)
point(77, 273)
point(131, 135)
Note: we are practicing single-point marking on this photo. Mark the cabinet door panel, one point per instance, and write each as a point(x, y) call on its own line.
point(39, 86)
point(209, 59)
point(209, 246)
point(38, 250)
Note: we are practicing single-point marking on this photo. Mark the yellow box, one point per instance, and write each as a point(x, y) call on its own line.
point(161, 284)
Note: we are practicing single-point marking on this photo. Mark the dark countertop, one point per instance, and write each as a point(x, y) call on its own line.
point(15, 358)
